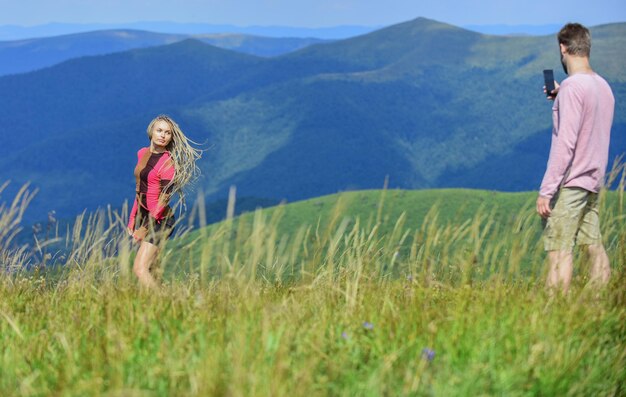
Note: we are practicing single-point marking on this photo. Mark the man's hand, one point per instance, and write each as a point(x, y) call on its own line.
point(553, 93)
point(543, 207)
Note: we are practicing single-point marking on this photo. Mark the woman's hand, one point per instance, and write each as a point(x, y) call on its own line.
point(140, 233)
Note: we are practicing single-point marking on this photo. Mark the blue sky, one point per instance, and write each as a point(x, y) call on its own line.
point(312, 13)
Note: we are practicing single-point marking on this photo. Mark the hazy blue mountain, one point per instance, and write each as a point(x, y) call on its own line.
point(21, 56)
point(257, 45)
point(14, 32)
point(423, 103)
point(69, 122)
point(515, 30)
point(31, 54)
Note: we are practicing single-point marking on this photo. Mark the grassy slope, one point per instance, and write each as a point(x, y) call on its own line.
point(492, 232)
point(94, 337)
point(453, 205)
point(345, 329)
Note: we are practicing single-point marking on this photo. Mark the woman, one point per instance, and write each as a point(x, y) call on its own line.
point(163, 168)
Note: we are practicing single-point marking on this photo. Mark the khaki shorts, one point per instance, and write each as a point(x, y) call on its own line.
point(574, 220)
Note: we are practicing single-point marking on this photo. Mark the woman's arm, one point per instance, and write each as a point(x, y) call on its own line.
point(133, 212)
point(166, 175)
point(131, 220)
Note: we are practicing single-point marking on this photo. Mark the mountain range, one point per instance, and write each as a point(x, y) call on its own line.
point(19, 56)
point(420, 104)
point(15, 32)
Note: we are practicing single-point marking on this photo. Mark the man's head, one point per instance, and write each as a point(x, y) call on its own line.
point(574, 40)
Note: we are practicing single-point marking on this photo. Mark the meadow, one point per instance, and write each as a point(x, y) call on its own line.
point(368, 293)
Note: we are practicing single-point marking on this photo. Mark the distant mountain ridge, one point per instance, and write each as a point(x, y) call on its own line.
point(421, 103)
point(515, 30)
point(27, 55)
point(14, 32)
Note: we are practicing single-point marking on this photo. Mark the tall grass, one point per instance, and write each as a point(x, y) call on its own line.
point(343, 306)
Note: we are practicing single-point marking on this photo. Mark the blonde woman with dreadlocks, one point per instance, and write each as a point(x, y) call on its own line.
point(163, 168)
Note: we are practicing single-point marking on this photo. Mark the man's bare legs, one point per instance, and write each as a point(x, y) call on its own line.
point(600, 267)
point(562, 266)
point(560, 272)
point(146, 257)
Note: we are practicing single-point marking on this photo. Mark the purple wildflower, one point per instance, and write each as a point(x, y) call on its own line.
point(345, 335)
point(428, 354)
point(368, 325)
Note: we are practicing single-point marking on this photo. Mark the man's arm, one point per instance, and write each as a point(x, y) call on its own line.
point(563, 145)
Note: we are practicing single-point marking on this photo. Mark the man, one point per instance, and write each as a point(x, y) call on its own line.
point(568, 199)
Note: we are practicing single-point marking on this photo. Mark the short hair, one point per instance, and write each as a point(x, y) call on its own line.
point(576, 38)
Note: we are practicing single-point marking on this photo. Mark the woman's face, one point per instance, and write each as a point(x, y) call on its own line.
point(161, 134)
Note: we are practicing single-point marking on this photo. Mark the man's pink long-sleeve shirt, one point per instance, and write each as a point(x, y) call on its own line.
point(582, 116)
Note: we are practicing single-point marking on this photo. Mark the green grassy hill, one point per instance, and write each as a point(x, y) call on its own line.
point(478, 233)
point(453, 308)
point(453, 206)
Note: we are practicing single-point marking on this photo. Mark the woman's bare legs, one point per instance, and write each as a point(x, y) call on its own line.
point(146, 257)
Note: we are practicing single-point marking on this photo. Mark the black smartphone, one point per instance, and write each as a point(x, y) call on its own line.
point(548, 79)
